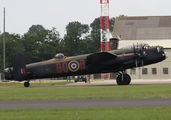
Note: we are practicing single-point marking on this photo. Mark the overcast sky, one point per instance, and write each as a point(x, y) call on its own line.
point(22, 14)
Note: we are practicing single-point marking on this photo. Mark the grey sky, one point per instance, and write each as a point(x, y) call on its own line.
point(22, 14)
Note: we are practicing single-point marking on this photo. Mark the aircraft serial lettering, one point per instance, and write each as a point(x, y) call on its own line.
point(73, 66)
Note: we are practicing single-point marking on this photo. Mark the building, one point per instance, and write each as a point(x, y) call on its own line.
point(153, 30)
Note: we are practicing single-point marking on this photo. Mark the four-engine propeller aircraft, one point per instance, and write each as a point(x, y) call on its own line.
point(101, 62)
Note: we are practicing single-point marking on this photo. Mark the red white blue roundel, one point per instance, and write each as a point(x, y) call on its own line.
point(73, 66)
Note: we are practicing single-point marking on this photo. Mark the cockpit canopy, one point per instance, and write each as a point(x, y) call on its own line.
point(137, 46)
point(59, 56)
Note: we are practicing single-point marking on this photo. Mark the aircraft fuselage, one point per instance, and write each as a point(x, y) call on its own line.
point(76, 65)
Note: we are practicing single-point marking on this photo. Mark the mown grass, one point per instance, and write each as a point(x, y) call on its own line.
point(36, 83)
point(56, 92)
point(87, 114)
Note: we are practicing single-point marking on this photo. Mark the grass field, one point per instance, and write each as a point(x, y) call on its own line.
point(53, 91)
point(87, 114)
point(58, 91)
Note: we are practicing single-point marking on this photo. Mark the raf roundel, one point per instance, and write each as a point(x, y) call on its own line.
point(73, 66)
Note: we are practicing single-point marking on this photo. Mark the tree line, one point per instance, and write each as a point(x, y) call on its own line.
point(42, 44)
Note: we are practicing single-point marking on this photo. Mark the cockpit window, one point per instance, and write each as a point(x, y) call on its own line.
point(159, 48)
point(137, 46)
point(59, 56)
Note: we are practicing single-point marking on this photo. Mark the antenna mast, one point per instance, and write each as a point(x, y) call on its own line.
point(4, 42)
point(104, 31)
point(104, 26)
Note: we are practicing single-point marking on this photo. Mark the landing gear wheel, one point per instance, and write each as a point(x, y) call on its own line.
point(26, 84)
point(119, 80)
point(123, 79)
point(128, 79)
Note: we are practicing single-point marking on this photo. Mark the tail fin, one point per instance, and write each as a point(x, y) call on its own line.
point(19, 67)
point(27, 59)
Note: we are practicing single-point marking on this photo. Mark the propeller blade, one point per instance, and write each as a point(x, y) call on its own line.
point(142, 62)
point(141, 51)
point(136, 63)
point(134, 49)
point(135, 55)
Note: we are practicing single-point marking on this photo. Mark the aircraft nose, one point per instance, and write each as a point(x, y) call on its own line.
point(166, 54)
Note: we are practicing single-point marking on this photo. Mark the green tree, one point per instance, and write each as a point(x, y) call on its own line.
point(51, 44)
point(12, 44)
point(40, 43)
point(35, 29)
point(112, 21)
point(75, 32)
point(32, 40)
point(95, 35)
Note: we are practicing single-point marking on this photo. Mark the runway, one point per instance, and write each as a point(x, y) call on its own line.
point(93, 103)
point(113, 82)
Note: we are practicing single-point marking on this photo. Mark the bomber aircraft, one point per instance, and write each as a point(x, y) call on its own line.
point(117, 61)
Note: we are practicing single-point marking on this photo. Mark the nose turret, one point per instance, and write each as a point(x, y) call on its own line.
point(166, 54)
point(161, 49)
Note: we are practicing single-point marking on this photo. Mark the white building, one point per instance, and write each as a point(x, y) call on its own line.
point(153, 30)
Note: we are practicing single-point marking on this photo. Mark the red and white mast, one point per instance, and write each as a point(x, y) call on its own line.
point(104, 26)
point(104, 31)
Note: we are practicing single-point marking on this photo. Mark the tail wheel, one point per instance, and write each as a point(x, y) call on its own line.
point(123, 79)
point(26, 84)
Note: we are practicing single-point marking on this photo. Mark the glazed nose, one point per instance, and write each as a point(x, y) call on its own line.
point(166, 54)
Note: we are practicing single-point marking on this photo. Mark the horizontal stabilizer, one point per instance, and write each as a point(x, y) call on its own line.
point(99, 57)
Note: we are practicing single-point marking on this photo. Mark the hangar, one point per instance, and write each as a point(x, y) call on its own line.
point(153, 30)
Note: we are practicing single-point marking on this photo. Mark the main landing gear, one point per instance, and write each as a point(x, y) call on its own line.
point(26, 84)
point(123, 79)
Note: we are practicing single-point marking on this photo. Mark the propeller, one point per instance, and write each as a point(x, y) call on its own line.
point(142, 55)
point(135, 55)
point(139, 53)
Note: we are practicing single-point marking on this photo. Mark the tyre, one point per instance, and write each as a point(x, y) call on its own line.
point(26, 84)
point(123, 81)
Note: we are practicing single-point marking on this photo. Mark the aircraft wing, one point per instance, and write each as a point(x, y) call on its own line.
point(96, 58)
